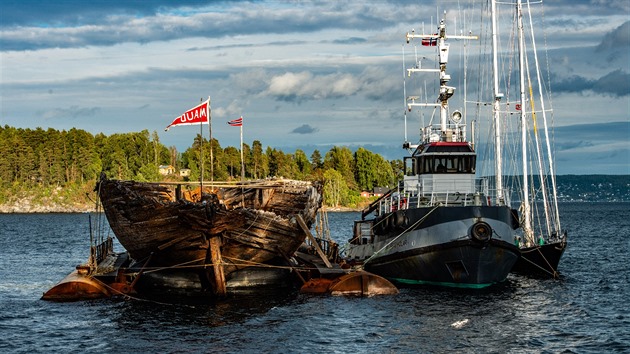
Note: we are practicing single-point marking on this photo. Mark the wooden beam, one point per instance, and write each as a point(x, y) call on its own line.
point(217, 265)
point(168, 244)
point(310, 237)
point(294, 270)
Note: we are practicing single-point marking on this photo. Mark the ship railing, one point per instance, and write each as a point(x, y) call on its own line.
point(99, 252)
point(329, 247)
point(453, 133)
point(496, 198)
point(408, 197)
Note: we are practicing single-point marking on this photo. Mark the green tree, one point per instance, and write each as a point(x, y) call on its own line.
point(341, 160)
point(365, 169)
point(335, 188)
point(259, 165)
point(316, 160)
point(281, 164)
point(398, 169)
point(247, 160)
point(232, 159)
point(302, 163)
point(191, 158)
point(385, 176)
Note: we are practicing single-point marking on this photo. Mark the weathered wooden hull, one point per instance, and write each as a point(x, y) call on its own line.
point(255, 222)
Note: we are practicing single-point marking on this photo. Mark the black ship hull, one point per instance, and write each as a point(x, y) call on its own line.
point(540, 260)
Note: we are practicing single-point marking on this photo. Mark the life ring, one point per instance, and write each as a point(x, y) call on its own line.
point(481, 232)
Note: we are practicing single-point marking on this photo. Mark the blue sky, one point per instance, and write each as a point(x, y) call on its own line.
point(303, 74)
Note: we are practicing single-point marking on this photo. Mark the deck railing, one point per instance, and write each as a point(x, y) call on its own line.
point(405, 198)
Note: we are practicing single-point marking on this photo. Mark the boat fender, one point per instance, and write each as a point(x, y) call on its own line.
point(401, 220)
point(481, 232)
point(387, 222)
point(377, 226)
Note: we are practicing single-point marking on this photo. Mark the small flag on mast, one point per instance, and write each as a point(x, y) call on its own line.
point(193, 116)
point(429, 42)
point(236, 122)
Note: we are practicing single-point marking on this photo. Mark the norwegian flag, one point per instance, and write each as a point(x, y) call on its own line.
point(236, 122)
point(429, 42)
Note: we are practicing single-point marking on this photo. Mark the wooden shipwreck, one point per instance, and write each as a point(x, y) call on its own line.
point(183, 240)
point(220, 228)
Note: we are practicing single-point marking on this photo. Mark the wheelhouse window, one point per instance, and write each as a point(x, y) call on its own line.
point(446, 164)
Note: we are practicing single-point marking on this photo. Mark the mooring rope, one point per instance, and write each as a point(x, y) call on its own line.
point(263, 265)
point(127, 296)
point(402, 233)
point(554, 272)
point(235, 262)
point(176, 266)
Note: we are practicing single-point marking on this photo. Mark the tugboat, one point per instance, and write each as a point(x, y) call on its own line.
point(441, 225)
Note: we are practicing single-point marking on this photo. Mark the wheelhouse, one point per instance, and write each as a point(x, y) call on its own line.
point(441, 157)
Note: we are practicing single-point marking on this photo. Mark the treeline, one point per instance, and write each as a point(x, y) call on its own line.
point(33, 159)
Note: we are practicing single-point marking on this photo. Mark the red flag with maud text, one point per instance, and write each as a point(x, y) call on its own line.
point(194, 116)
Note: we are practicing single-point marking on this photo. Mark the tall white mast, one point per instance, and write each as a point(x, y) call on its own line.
point(527, 226)
point(552, 171)
point(496, 108)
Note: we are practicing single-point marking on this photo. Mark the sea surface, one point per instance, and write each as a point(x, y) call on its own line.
point(587, 310)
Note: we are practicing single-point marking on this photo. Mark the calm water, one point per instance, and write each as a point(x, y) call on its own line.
point(585, 311)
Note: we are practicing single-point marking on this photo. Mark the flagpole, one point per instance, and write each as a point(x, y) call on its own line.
point(210, 132)
point(201, 156)
point(197, 115)
point(242, 161)
point(242, 167)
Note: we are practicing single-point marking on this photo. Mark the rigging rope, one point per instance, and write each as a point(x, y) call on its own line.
point(402, 233)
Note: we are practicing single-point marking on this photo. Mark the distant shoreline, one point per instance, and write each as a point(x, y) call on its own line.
point(60, 209)
point(44, 209)
point(77, 209)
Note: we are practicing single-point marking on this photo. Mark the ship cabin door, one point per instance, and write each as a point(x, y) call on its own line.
point(410, 166)
point(363, 233)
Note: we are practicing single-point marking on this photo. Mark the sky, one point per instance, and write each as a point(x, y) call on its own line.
point(303, 74)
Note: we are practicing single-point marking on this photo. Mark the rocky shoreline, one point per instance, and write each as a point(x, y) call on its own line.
point(28, 208)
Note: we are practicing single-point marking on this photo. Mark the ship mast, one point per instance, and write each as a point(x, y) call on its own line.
point(496, 108)
point(552, 172)
point(439, 40)
point(527, 226)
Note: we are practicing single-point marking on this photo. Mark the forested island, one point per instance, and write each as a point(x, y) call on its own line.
point(51, 170)
point(56, 171)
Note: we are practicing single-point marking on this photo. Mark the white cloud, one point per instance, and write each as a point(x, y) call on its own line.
point(329, 71)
